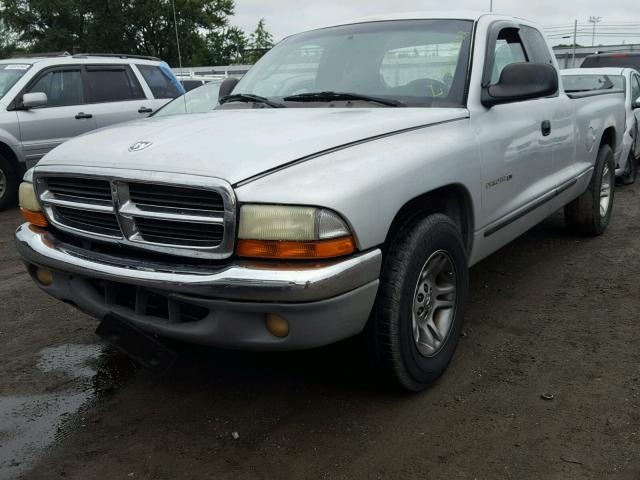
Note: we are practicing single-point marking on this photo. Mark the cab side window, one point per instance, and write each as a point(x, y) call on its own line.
point(537, 46)
point(509, 49)
point(62, 87)
point(161, 85)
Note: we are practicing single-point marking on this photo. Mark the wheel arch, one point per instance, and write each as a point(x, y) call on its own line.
point(609, 138)
point(453, 200)
point(7, 152)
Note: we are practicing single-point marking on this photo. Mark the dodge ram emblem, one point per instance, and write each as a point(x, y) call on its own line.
point(136, 147)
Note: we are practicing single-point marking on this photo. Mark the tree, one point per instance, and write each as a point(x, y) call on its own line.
point(8, 42)
point(143, 27)
point(260, 42)
point(225, 46)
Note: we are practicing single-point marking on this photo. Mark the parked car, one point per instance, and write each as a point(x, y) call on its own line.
point(199, 100)
point(189, 82)
point(624, 79)
point(621, 60)
point(421, 145)
point(47, 100)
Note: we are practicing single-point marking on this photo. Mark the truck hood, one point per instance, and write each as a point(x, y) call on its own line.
point(238, 144)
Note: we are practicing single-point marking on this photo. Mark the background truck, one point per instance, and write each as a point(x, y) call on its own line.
point(612, 78)
point(344, 187)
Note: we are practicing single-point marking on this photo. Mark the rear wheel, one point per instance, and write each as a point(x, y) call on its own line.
point(417, 319)
point(590, 213)
point(630, 171)
point(8, 184)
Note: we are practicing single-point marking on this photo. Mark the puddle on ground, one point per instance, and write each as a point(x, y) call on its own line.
point(30, 423)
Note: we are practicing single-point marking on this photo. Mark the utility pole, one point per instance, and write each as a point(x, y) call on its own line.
point(491, 5)
point(595, 21)
point(575, 34)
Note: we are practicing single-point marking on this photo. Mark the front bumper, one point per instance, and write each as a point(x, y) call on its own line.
point(323, 302)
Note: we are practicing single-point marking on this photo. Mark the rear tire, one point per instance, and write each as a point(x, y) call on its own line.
point(630, 171)
point(8, 184)
point(417, 319)
point(590, 213)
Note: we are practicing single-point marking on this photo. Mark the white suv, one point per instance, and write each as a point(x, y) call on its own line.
point(45, 100)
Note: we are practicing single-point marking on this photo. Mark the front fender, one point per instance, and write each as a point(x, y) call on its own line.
point(369, 183)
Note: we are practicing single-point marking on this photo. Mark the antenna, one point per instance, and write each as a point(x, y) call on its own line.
point(595, 21)
point(175, 24)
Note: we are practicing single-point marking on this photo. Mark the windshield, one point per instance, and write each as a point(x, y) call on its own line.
point(420, 63)
point(10, 73)
point(584, 83)
point(199, 100)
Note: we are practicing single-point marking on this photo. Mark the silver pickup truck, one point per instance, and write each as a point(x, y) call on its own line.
point(344, 186)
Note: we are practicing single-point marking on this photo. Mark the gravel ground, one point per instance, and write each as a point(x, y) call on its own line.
point(550, 314)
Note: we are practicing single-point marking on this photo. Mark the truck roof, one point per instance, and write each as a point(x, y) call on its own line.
point(423, 15)
point(431, 15)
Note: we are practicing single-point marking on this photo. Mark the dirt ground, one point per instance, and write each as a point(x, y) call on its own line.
point(550, 314)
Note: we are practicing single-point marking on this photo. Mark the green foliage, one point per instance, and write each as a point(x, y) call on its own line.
point(260, 41)
point(143, 27)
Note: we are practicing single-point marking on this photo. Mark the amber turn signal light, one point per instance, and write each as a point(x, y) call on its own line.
point(336, 247)
point(35, 218)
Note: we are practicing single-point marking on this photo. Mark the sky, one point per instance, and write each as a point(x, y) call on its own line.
point(620, 18)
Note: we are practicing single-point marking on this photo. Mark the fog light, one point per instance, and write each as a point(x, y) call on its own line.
point(277, 326)
point(44, 277)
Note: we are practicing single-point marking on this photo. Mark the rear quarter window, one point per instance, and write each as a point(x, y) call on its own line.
point(622, 61)
point(112, 84)
point(161, 82)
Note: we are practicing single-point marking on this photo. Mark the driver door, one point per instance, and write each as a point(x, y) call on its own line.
point(517, 159)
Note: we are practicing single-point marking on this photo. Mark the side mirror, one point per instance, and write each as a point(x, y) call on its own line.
point(636, 103)
point(521, 81)
point(227, 86)
point(34, 99)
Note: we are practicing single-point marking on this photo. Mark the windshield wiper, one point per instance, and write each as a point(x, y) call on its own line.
point(330, 96)
point(247, 97)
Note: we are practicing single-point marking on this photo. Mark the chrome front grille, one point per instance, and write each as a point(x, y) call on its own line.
point(175, 214)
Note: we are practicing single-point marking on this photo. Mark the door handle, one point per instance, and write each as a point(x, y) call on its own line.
point(546, 128)
point(82, 116)
point(145, 110)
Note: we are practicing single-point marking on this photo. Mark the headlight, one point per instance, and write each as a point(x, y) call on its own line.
point(30, 206)
point(28, 197)
point(279, 231)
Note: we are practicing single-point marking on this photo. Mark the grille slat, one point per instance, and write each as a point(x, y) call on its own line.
point(178, 233)
point(164, 196)
point(81, 188)
point(101, 223)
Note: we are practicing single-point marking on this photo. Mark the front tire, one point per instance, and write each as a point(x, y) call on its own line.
point(417, 319)
point(590, 213)
point(630, 171)
point(8, 184)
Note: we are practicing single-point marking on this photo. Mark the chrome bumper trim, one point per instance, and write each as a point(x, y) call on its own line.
point(241, 280)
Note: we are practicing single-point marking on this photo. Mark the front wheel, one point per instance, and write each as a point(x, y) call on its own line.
point(417, 319)
point(630, 171)
point(590, 213)
point(8, 184)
